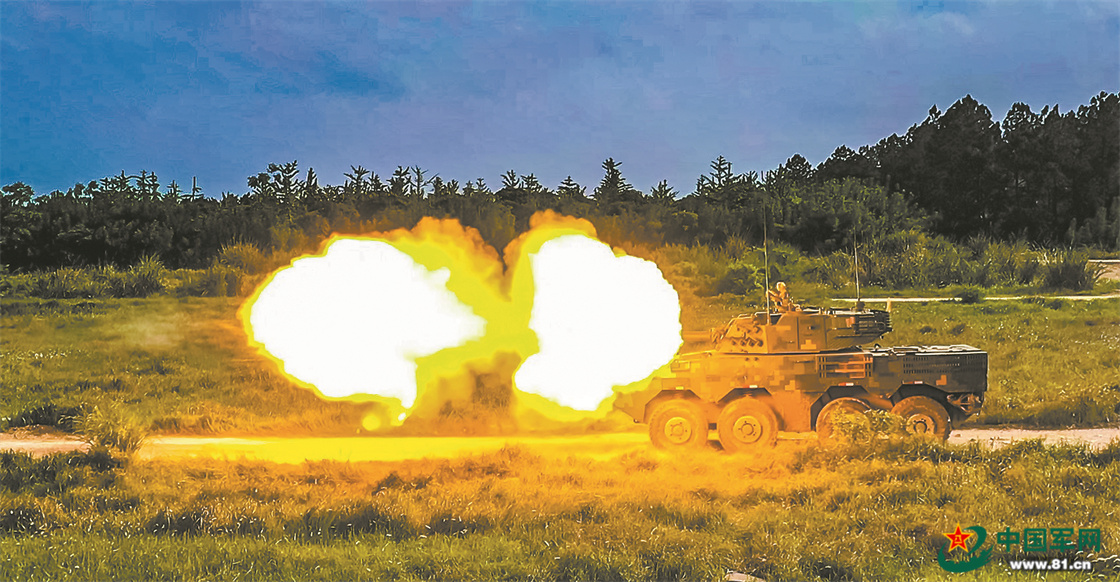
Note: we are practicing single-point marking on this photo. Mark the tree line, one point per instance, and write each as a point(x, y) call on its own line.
point(1046, 178)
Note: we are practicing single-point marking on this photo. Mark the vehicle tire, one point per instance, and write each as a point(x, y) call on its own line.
point(747, 423)
point(923, 415)
point(678, 424)
point(826, 428)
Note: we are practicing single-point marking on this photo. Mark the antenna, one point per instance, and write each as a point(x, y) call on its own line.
point(766, 259)
point(855, 252)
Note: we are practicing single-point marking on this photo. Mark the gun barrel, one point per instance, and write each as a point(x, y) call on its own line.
point(696, 336)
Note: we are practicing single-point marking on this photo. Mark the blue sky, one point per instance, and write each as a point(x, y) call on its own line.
point(218, 90)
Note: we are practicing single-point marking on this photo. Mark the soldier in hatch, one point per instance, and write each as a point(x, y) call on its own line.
point(782, 299)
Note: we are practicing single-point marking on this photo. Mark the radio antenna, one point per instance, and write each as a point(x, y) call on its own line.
point(855, 253)
point(766, 258)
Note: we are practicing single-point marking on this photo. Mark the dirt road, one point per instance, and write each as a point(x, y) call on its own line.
point(946, 299)
point(356, 449)
point(1110, 268)
point(1110, 271)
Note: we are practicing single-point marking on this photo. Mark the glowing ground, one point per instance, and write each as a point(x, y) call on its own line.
point(597, 446)
point(357, 449)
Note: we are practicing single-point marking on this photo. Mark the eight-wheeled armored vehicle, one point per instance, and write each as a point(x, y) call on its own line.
point(795, 369)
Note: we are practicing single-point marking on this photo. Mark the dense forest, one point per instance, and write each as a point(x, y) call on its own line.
point(1042, 178)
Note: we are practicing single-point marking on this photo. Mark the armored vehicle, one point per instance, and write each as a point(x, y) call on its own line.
point(795, 369)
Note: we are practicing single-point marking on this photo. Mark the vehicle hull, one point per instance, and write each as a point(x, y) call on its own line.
point(798, 385)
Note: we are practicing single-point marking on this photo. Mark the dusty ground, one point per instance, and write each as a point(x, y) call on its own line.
point(1000, 298)
point(1111, 269)
point(39, 441)
point(297, 450)
point(997, 437)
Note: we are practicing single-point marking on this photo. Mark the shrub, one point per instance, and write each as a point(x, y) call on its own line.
point(25, 519)
point(1069, 269)
point(1008, 263)
point(736, 247)
point(834, 270)
point(697, 267)
point(187, 521)
point(61, 417)
point(245, 258)
point(970, 295)
point(144, 278)
point(141, 280)
point(913, 259)
point(322, 524)
point(68, 283)
point(58, 472)
point(219, 280)
point(12, 285)
point(740, 279)
point(109, 426)
point(114, 283)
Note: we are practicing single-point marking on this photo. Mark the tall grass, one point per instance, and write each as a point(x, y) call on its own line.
point(1004, 263)
point(915, 260)
point(1069, 269)
point(143, 279)
point(234, 272)
point(112, 427)
point(148, 277)
point(735, 268)
point(867, 511)
point(903, 260)
point(246, 258)
point(178, 365)
point(218, 280)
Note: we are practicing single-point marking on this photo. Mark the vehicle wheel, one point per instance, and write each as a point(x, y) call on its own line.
point(923, 415)
point(747, 423)
point(678, 424)
point(826, 419)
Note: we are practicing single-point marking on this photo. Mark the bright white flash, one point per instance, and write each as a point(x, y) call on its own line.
point(354, 320)
point(601, 321)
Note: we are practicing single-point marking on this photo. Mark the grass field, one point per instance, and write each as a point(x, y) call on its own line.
point(799, 512)
point(183, 366)
point(175, 365)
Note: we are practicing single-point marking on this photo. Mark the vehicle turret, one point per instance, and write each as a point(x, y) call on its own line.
point(799, 331)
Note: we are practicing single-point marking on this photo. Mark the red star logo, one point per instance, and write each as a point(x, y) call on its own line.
point(957, 539)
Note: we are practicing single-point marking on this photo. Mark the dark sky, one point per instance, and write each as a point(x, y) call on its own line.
point(218, 90)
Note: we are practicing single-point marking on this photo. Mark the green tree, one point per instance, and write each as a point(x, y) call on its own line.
point(570, 189)
point(18, 223)
point(613, 190)
point(845, 163)
point(663, 193)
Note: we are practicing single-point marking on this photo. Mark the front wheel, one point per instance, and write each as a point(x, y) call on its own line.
point(678, 424)
point(923, 415)
point(853, 409)
point(747, 423)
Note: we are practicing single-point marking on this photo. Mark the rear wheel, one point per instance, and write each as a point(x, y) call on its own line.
point(747, 423)
point(923, 415)
point(678, 424)
point(854, 408)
